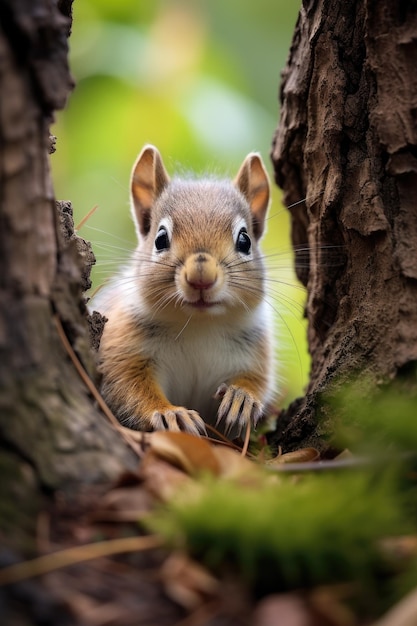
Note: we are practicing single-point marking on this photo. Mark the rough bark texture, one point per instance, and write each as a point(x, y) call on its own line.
point(347, 142)
point(48, 421)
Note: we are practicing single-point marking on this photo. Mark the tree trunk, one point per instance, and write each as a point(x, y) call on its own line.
point(51, 435)
point(347, 143)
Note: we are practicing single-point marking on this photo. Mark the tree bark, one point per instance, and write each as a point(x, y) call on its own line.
point(347, 144)
point(51, 434)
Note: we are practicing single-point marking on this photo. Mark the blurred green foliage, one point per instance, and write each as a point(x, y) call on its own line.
point(200, 80)
point(325, 525)
point(374, 419)
point(286, 535)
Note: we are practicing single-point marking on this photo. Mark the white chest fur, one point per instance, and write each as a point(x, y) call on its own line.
point(191, 365)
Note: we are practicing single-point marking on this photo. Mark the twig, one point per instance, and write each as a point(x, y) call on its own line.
point(247, 438)
point(86, 217)
point(220, 442)
point(92, 388)
point(354, 462)
point(223, 441)
point(218, 434)
point(71, 556)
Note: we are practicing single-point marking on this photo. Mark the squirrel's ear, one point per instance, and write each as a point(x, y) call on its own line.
point(148, 180)
point(253, 182)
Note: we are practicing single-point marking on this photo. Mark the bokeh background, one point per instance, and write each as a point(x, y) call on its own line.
point(199, 79)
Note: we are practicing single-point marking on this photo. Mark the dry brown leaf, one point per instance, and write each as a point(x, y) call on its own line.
point(345, 454)
point(400, 548)
point(161, 478)
point(288, 609)
point(232, 464)
point(304, 455)
point(192, 454)
point(173, 459)
point(124, 504)
point(187, 582)
point(329, 603)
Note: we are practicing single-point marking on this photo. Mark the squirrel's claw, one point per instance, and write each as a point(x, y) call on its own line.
point(237, 407)
point(179, 419)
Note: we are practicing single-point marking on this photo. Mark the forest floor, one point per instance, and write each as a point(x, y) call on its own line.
point(102, 563)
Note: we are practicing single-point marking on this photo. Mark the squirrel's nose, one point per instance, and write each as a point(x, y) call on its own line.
point(201, 271)
point(200, 284)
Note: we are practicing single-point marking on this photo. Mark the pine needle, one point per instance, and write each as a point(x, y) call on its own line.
point(72, 556)
point(247, 438)
point(92, 388)
point(86, 217)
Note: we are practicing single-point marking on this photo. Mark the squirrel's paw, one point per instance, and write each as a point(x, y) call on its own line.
point(237, 407)
point(177, 419)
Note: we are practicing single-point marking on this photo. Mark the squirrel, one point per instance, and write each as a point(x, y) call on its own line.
point(188, 337)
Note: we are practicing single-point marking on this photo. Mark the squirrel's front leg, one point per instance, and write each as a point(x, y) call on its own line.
point(133, 393)
point(239, 402)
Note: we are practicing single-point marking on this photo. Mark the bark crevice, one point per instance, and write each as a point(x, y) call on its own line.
point(347, 143)
point(46, 412)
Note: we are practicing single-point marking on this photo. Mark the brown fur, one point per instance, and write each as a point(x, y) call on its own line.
point(187, 322)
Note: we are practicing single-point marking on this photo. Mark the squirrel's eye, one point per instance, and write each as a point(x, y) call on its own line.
point(162, 239)
point(243, 242)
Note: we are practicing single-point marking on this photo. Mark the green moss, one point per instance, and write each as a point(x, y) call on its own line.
point(375, 420)
point(317, 528)
point(321, 529)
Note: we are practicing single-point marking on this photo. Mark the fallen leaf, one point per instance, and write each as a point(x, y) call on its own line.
point(161, 478)
point(186, 582)
point(304, 455)
point(232, 464)
point(288, 609)
point(124, 504)
point(192, 454)
point(400, 549)
point(330, 604)
point(345, 454)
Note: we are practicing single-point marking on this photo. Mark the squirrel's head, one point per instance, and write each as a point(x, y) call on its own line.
point(201, 235)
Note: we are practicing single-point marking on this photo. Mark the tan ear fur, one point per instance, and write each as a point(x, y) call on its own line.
point(148, 180)
point(253, 182)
